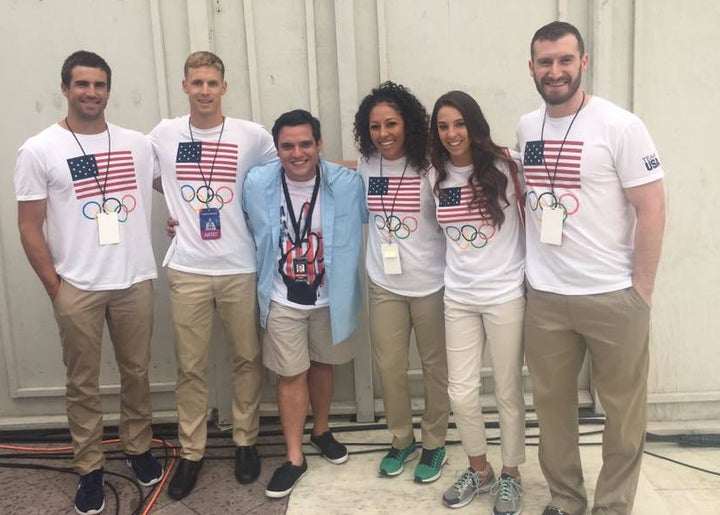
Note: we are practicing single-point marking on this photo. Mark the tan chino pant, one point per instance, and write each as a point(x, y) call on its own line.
point(81, 316)
point(392, 317)
point(194, 299)
point(613, 328)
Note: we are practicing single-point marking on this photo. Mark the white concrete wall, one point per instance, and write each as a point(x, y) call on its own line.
point(676, 92)
point(323, 55)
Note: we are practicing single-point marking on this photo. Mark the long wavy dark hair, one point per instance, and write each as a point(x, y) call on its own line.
point(414, 116)
point(488, 183)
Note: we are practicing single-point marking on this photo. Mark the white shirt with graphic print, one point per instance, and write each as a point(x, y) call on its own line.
point(206, 170)
point(485, 265)
point(401, 210)
point(53, 166)
point(311, 249)
point(607, 149)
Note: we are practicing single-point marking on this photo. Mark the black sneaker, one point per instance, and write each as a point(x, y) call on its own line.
point(90, 498)
point(247, 464)
point(147, 469)
point(184, 479)
point(329, 448)
point(284, 479)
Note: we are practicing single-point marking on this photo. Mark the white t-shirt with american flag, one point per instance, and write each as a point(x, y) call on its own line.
point(200, 172)
point(401, 210)
point(485, 265)
point(607, 149)
point(52, 166)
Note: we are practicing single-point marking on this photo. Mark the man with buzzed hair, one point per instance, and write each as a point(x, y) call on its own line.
point(595, 219)
point(203, 159)
point(84, 190)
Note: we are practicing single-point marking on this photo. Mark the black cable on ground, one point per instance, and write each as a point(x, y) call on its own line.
point(682, 463)
point(66, 470)
point(62, 436)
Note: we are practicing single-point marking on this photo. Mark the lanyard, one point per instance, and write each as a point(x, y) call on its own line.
point(301, 236)
point(208, 181)
point(107, 163)
point(567, 132)
point(397, 192)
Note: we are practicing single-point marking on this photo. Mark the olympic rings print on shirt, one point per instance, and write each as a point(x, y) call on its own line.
point(568, 202)
point(468, 235)
point(392, 225)
point(123, 207)
point(206, 196)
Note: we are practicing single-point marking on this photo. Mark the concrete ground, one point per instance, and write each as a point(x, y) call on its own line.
point(355, 487)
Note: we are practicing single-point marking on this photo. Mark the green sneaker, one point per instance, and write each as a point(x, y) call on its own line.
point(430, 466)
point(394, 461)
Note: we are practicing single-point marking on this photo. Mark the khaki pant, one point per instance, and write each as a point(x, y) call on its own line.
point(613, 328)
point(193, 299)
point(80, 317)
point(392, 317)
point(469, 329)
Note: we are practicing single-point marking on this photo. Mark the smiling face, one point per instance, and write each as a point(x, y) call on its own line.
point(298, 151)
point(453, 134)
point(557, 68)
point(205, 87)
point(87, 94)
point(387, 131)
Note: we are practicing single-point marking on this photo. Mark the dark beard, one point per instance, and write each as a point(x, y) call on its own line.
point(573, 88)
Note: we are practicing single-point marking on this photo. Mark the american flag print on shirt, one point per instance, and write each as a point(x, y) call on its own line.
point(544, 161)
point(95, 174)
point(454, 206)
point(397, 194)
point(197, 159)
point(310, 249)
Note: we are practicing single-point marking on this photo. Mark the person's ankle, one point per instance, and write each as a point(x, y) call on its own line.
point(512, 472)
point(319, 432)
point(484, 471)
point(296, 460)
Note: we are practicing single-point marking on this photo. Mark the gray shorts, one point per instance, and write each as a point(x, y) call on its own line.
point(294, 337)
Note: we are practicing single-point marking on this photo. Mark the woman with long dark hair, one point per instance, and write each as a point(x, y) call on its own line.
point(405, 256)
point(476, 189)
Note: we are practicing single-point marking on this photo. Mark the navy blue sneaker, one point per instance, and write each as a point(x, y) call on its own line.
point(90, 499)
point(147, 469)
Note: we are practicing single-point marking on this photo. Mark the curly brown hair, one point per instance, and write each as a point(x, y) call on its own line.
point(414, 116)
point(488, 183)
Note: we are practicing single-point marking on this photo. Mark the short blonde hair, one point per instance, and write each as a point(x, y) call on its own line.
point(204, 58)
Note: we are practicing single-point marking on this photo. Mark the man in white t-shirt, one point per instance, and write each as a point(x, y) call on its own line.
point(84, 191)
point(203, 158)
point(595, 219)
point(306, 219)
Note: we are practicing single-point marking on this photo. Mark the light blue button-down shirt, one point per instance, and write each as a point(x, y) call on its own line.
point(342, 196)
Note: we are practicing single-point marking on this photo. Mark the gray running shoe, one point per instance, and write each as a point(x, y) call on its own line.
point(466, 487)
point(508, 495)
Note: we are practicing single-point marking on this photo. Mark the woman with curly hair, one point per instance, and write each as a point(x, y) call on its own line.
point(476, 189)
point(405, 253)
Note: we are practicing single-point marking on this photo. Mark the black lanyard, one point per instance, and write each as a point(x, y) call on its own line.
point(397, 192)
point(567, 132)
point(107, 163)
point(301, 236)
point(208, 181)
